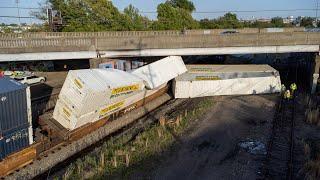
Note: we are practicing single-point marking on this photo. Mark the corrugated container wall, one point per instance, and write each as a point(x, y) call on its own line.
point(85, 90)
point(15, 117)
point(213, 80)
point(13, 105)
point(14, 140)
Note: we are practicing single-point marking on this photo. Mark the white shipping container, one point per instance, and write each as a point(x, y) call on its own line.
point(214, 83)
point(229, 68)
point(68, 119)
point(160, 72)
point(86, 90)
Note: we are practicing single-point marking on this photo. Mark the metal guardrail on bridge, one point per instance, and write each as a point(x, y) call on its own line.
point(118, 41)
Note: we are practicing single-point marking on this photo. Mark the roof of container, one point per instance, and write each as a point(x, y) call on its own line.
point(229, 68)
point(8, 84)
point(100, 79)
point(220, 72)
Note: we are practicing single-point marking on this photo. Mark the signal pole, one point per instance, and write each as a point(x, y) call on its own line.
point(317, 7)
point(17, 2)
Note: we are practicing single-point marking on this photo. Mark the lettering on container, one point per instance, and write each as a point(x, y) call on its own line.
point(17, 136)
point(122, 94)
point(111, 108)
point(200, 70)
point(78, 83)
point(130, 108)
point(4, 98)
point(207, 78)
point(66, 112)
point(125, 89)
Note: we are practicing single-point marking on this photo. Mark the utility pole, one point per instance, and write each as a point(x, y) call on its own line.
point(317, 7)
point(18, 7)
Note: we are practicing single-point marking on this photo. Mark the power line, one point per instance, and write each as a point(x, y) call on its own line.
point(17, 17)
point(12, 7)
point(317, 7)
point(223, 11)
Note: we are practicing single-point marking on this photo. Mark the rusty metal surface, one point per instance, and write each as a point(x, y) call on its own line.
point(17, 160)
point(44, 164)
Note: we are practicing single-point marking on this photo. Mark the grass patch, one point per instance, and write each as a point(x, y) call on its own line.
point(312, 165)
point(122, 157)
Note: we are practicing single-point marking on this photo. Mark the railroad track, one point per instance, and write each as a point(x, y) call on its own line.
point(281, 145)
point(280, 155)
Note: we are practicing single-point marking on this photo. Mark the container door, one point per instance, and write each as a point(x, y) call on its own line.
point(13, 109)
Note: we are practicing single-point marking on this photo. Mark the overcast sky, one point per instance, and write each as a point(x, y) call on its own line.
point(210, 7)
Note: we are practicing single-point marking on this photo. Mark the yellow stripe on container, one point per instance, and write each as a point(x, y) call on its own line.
point(125, 89)
point(111, 107)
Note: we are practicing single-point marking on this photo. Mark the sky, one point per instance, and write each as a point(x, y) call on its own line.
point(202, 6)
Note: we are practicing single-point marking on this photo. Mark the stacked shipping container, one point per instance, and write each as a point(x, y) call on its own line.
point(92, 94)
point(15, 117)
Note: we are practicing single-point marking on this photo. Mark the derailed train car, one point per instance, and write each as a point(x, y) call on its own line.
point(92, 98)
point(88, 100)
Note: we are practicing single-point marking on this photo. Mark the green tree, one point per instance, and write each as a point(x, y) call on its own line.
point(229, 20)
point(134, 20)
point(277, 22)
point(173, 17)
point(6, 29)
point(94, 15)
point(183, 4)
point(208, 24)
point(307, 22)
point(318, 24)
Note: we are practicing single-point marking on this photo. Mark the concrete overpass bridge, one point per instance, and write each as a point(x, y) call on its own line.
point(87, 45)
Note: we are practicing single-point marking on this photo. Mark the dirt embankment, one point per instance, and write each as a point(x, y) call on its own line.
point(210, 149)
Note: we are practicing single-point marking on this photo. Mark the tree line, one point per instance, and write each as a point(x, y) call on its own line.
point(102, 15)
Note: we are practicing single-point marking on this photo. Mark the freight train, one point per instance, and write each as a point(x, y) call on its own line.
point(88, 100)
point(95, 99)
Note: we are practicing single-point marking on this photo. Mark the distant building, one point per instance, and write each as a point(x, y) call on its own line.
point(15, 28)
point(265, 20)
point(288, 20)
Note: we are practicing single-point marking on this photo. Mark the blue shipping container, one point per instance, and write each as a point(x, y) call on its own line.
point(14, 141)
point(13, 104)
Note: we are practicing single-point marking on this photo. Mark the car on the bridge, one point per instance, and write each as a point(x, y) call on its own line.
point(30, 79)
point(229, 32)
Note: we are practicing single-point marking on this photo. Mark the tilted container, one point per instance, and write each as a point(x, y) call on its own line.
point(68, 119)
point(160, 72)
point(215, 80)
point(85, 90)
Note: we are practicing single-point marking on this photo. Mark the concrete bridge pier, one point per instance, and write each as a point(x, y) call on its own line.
point(94, 63)
point(315, 75)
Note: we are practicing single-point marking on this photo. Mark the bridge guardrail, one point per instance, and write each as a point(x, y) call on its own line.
point(25, 45)
point(136, 33)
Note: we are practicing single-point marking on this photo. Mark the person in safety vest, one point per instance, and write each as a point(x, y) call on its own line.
point(287, 95)
point(283, 88)
point(293, 88)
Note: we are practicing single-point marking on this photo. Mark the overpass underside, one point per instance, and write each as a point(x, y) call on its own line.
point(42, 56)
point(58, 46)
